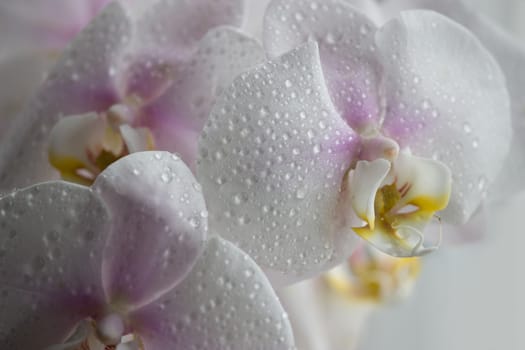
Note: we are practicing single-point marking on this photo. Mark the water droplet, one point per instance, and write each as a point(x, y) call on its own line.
point(300, 193)
point(166, 177)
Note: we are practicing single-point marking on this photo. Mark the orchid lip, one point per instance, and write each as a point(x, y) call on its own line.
point(395, 198)
point(82, 146)
point(106, 334)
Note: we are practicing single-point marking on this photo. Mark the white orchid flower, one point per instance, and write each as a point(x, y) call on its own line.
point(510, 55)
point(126, 265)
point(140, 77)
point(353, 129)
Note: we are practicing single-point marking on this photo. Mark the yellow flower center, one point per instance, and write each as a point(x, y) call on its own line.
point(82, 146)
point(373, 277)
point(395, 199)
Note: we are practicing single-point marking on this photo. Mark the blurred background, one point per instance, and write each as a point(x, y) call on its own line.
point(509, 14)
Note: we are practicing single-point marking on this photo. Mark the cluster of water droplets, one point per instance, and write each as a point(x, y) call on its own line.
point(347, 48)
point(224, 286)
point(434, 107)
point(272, 157)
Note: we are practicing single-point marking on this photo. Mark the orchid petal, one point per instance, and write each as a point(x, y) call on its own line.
point(226, 302)
point(405, 204)
point(272, 158)
point(364, 182)
point(79, 83)
point(254, 17)
point(511, 58)
point(49, 263)
point(27, 26)
point(347, 48)
point(20, 76)
point(429, 182)
point(158, 225)
point(31, 321)
point(505, 49)
point(465, 123)
point(222, 54)
point(180, 24)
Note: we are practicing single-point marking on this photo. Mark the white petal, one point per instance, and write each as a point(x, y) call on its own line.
point(176, 26)
point(179, 115)
point(79, 336)
point(51, 237)
point(32, 321)
point(272, 158)
point(20, 76)
point(159, 224)
point(226, 302)
point(347, 48)
point(364, 182)
point(429, 182)
point(447, 100)
point(79, 83)
point(254, 17)
point(510, 55)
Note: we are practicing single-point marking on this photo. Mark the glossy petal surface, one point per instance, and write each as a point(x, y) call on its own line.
point(507, 50)
point(179, 115)
point(465, 123)
point(347, 48)
point(159, 225)
point(50, 262)
point(80, 82)
point(275, 149)
point(226, 302)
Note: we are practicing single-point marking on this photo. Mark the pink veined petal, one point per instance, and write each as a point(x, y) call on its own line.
point(159, 224)
point(80, 82)
point(177, 118)
point(51, 240)
point(271, 162)
point(179, 25)
point(446, 99)
point(20, 76)
point(226, 302)
point(347, 49)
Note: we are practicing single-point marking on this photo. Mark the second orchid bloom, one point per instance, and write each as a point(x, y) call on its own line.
point(353, 129)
